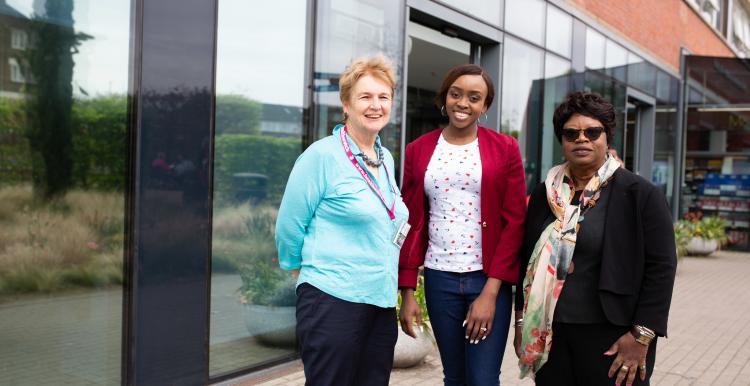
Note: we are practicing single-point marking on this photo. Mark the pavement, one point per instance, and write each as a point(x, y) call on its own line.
point(708, 343)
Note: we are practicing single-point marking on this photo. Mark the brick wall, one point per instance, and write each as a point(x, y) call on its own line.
point(660, 27)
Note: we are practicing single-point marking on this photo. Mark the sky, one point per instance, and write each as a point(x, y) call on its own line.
point(259, 54)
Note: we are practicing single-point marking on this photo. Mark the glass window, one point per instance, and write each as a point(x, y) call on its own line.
point(559, 31)
point(260, 89)
point(522, 77)
point(595, 46)
point(556, 86)
point(641, 74)
point(740, 28)
point(525, 18)
point(710, 10)
point(19, 39)
point(490, 11)
point(342, 35)
point(615, 60)
point(63, 156)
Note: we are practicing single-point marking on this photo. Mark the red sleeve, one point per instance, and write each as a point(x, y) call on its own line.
point(408, 264)
point(504, 264)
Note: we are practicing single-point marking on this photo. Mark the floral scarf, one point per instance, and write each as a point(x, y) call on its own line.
point(551, 258)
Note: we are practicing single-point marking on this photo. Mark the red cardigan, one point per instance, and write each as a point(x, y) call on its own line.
point(503, 205)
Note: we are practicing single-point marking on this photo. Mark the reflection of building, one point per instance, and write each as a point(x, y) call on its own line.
point(280, 120)
point(14, 41)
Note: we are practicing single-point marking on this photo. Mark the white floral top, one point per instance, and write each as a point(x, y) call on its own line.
point(452, 184)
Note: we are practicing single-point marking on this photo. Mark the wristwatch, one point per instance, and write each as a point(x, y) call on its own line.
point(642, 334)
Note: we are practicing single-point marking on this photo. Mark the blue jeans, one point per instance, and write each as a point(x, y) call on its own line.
point(449, 296)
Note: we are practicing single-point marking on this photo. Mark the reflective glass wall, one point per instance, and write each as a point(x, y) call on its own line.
point(717, 144)
point(260, 88)
point(261, 128)
point(342, 34)
point(63, 155)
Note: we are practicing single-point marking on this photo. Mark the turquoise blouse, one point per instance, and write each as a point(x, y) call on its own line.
point(336, 230)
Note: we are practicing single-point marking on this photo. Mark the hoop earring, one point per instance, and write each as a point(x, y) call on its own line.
point(480, 119)
point(442, 111)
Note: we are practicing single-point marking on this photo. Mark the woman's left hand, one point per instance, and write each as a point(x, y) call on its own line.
point(481, 313)
point(630, 359)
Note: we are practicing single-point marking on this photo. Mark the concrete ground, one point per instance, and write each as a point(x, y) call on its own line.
point(708, 344)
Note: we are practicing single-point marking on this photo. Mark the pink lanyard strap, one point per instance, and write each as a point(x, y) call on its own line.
point(363, 173)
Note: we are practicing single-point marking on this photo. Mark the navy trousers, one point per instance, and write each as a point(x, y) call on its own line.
point(344, 343)
point(449, 296)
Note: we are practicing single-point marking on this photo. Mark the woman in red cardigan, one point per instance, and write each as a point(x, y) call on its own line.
point(465, 189)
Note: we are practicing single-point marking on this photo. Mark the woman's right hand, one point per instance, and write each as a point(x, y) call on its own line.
point(409, 312)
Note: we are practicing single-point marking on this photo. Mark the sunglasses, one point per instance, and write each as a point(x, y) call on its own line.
point(591, 133)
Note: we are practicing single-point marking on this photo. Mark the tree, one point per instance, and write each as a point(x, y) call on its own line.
point(236, 114)
point(50, 61)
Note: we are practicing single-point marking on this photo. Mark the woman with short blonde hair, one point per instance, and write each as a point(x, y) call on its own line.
point(340, 227)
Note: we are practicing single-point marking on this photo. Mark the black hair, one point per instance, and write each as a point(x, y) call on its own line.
point(588, 104)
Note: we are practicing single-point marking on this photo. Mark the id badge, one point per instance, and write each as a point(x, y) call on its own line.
point(401, 233)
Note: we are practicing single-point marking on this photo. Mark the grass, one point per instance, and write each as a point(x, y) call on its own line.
point(76, 241)
point(73, 241)
point(243, 234)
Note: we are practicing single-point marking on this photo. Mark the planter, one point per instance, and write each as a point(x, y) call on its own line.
point(697, 246)
point(410, 352)
point(272, 326)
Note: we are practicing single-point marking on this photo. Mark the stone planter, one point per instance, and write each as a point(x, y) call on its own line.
point(410, 352)
point(697, 246)
point(272, 326)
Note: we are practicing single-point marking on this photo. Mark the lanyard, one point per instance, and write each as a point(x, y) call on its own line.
point(363, 173)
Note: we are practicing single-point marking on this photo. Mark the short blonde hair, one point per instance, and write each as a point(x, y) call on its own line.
point(378, 66)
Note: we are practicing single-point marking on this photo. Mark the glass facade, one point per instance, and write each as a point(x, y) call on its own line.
point(63, 167)
point(260, 89)
point(522, 65)
point(717, 144)
point(526, 19)
point(140, 174)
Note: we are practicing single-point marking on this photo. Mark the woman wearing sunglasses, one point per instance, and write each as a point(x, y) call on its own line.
point(599, 261)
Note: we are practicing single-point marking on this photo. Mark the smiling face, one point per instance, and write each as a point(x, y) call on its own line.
point(465, 101)
point(369, 107)
point(584, 153)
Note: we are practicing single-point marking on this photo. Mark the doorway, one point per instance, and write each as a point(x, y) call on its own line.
point(431, 54)
point(637, 150)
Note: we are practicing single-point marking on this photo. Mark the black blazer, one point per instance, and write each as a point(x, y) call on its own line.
point(638, 253)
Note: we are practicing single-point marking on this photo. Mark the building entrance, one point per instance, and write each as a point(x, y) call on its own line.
point(431, 54)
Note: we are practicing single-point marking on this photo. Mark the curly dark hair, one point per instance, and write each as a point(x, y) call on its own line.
point(458, 71)
point(589, 104)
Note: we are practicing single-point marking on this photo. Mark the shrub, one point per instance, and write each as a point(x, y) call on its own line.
point(241, 153)
point(705, 227)
point(72, 241)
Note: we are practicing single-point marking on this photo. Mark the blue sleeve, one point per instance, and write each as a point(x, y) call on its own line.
point(304, 191)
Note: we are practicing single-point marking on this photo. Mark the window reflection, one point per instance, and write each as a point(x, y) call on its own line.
point(63, 151)
point(342, 34)
point(559, 31)
point(615, 61)
point(522, 65)
point(259, 111)
point(490, 11)
point(594, 49)
point(557, 74)
point(525, 18)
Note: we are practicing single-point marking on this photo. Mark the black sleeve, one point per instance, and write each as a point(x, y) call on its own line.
point(660, 264)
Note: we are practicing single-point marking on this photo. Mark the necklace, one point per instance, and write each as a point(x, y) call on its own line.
point(377, 162)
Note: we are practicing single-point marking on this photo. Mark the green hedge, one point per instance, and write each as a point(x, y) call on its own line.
point(243, 153)
point(99, 142)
